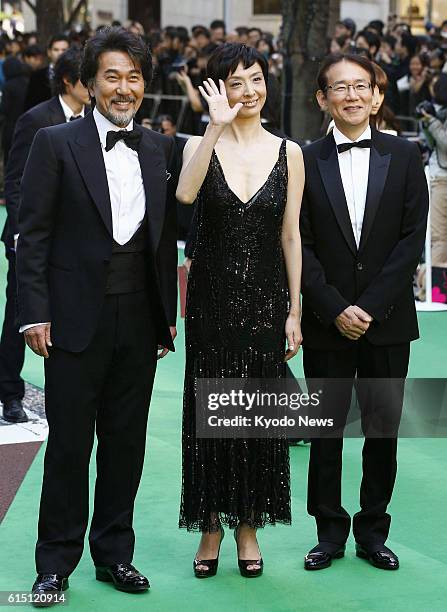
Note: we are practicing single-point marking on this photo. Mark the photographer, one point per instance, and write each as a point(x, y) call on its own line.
point(189, 77)
point(414, 87)
point(434, 117)
point(419, 80)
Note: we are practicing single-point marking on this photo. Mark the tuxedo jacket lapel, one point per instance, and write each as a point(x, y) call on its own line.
point(55, 112)
point(153, 170)
point(331, 177)
point(379, 163)
point(87, 152)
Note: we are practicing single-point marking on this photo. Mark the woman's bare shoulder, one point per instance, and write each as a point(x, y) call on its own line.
point(191, 147)
point(294, 150)
point(193, 142)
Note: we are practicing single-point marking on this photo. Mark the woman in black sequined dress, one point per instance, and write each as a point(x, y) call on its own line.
point(242, 301)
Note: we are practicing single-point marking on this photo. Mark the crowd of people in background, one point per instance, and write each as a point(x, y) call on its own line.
point(411, 74)
point(412, 64)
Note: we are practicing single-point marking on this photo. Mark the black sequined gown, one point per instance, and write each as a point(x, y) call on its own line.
point(236, 310)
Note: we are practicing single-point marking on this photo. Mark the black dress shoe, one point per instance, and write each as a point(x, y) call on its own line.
point(384, 558)
point(47, 590)
point(13, 411)
point(124, 576)
point(317, 558)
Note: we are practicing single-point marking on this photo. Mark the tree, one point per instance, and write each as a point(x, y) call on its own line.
point(305, 34)
point(51, 18)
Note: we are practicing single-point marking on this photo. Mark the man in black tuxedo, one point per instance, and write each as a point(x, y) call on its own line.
point(39, 86)
point(363, 225)
point(69, 103)
point(97, 271)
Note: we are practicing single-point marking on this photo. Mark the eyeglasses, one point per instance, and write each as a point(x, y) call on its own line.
point(341, 89)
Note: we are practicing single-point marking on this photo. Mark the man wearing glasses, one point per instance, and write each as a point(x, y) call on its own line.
point(363, 222)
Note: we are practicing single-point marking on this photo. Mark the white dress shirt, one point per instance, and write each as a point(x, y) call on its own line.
point(68, 111)
point(354, 170)
point(126, 189)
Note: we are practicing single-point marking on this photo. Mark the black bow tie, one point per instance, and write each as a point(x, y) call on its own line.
point(74, 117)
point(131, 138)
point(362, 144)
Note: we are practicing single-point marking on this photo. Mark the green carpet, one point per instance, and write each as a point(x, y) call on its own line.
point(164, 553)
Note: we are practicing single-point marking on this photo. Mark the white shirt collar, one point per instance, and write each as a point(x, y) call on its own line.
point(340, 138)
point(103, 126)
point(67, 110)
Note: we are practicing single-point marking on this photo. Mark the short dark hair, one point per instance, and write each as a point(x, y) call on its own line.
point(170, 31)
point(227, 57)
point(198, 26)
point(201, 31)
point(389, 40)
point(242, 30)
point(372, 39)
point(268, 42)
point(341, 40)
point(377, 25)
point(437, 53)
point(410, 43)
point(183, 32)
point(440, 89)
point(423, 57)
point(350, 25)
point(68, 66)
point(361, 51)
point(33, 51)
point(162, 118)
point(336, 58)
point(57, 38)
point(115, 39)
point(217, 23)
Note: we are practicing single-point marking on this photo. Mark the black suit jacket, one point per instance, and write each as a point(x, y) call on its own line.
point(39, 87)
point(65, 226)
point(12, 100)
point(43, 115)
point(378, 276)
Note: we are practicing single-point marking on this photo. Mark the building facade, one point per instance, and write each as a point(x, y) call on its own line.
point(264, 14)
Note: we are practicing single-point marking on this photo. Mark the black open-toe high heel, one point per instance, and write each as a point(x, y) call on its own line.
point(211, 564)
point(244, 564)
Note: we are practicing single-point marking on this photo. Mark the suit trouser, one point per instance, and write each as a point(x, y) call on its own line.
point(12, 344)
point(108, 385)
point(371, 524)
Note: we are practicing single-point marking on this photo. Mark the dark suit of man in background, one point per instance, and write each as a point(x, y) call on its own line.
point(68, 103)
point(363, 226)
point(40, 83)
point(97, 278)
point(12, 99)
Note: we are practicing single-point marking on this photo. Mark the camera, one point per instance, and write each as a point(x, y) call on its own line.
point(178, 66)
point(425, 107)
